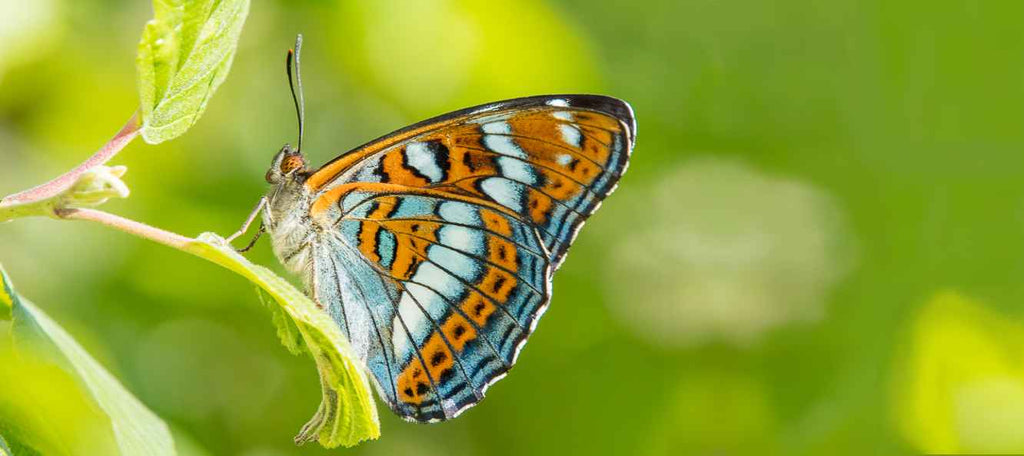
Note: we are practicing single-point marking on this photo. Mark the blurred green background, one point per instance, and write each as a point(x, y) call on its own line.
point(818, 247)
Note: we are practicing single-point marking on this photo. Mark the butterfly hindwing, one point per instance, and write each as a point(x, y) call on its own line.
point(447, 233)
point(470, 279)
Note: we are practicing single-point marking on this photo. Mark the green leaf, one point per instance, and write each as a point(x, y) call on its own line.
point(13, 447)
point(184, 55)
point(347, 414)
point(289, 333)
point(64, 400)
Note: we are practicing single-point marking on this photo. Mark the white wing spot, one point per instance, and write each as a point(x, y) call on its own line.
point(571, 135)
point(423, 160)
point(497, 128)
point(414, 320)
point(504, 192)
point(562, 115)
point(462, 238)
point(564, 159)
point(431, 302)
point(428, 274)
point(503, 145)
point(458, 263)
point(449, 407)
point(517, 170)
point(559, 102)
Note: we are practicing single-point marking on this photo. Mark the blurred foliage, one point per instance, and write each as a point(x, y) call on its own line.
point(57, 400)
point(904, 117)
point(4, 449)
point(962, 383)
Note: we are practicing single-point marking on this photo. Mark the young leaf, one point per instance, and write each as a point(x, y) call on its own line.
point(91, 188)
point(347, 414)
point(42, 346)
point(184, 55)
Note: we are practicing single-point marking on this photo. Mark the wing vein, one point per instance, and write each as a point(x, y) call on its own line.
point(532, 163)
point(475, 257)
point(533, 138)
point(476, 327)
point(376, 328)
point(556, 200)
point(337, 285)
point(525, 247)
point(412, 342)
point(451, 348)
point(473, 287)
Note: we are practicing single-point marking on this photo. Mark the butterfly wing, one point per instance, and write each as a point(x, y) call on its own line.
point(444, 236)
point(440, 292)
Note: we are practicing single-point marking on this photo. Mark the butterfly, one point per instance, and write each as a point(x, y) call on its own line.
point(433, 247)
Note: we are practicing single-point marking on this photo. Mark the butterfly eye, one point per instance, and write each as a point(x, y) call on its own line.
point(291, 163)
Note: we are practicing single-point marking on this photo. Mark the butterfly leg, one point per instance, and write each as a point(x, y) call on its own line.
point(248, 221)
point(255, 238)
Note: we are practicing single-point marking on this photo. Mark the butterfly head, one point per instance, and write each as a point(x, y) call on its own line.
point(288, 163)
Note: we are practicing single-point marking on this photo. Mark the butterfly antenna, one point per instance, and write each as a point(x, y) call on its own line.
point(293, 54)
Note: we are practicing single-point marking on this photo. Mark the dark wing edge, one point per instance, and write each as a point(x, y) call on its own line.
point(600, 103)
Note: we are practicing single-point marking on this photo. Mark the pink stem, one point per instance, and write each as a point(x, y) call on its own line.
point(128, 226)
point(64, 181)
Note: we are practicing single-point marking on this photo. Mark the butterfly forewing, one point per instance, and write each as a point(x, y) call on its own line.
point(445, 235)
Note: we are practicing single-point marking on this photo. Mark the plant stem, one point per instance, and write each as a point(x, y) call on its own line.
point(64, 181)
point(129, 226)
point(29, 209)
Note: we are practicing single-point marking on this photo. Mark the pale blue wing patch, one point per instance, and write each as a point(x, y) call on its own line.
point(459, 212)
point(504, 191)
point(463, 238)
point(449, 272)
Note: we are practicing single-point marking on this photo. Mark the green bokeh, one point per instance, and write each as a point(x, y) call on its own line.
point(902, 120)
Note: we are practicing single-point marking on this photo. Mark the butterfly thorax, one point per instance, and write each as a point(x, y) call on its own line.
point(286, 217)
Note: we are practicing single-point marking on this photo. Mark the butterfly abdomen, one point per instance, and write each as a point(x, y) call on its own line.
point(291, 231)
